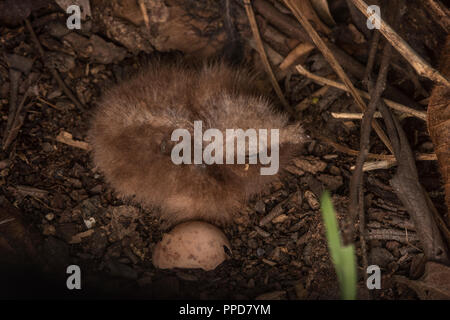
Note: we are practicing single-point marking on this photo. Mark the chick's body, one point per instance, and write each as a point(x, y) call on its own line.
point(131, 139)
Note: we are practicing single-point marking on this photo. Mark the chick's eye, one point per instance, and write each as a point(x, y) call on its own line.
point(163, 146)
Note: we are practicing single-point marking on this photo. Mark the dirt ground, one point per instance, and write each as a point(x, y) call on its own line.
point(78, 219)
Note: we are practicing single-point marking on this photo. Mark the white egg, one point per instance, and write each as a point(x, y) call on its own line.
point(192, 244)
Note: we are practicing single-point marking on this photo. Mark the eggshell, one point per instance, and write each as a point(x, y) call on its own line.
point(192, 244)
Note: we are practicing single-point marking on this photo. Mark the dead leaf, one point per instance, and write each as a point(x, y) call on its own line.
point(438, 121)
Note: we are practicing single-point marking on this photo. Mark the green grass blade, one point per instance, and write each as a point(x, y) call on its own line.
point(343, 257)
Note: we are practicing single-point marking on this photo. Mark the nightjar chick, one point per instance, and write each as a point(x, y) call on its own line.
point(133, 140)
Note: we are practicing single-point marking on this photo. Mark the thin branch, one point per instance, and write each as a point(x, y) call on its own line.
point(372, 54)
point(357, 177)
point(356, 205)
point(7, 220)
point(301, 50)
point(416, 61)
point(54, 72)
point(49, 103)
point(289, 26)
point(439, 12)
point(335, 65)
point(17, 120)
point(352, 152)
point(391, 234)
point(262, 52)
point(392, 104)
point(376, 165)
point(144, 13)
point(352, 116)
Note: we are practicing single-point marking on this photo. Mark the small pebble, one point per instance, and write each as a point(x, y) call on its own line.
point(90, 223)
point(260, 252)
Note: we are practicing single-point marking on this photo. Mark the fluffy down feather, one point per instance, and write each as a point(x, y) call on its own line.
point(131, 132)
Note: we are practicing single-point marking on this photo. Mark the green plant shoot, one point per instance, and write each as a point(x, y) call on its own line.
point(343, 257)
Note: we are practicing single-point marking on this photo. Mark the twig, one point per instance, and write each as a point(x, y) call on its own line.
point(290, 27)
point(301, 50)
point(31, 191)
point(417, 62)
point(144, 13)
point(438, 121)
point(410, 74)
point(440, 13)
point(357, 177)
point(335, 65)
point(14, 76)
point(372, 54)
point(54, 72)
point(354, 116)
point(273, 55)
point(392, 104)
point(356, 205)
point(16, 123)
point(382, 164)
point(7, 220)
point(391, 234)
point(358, 19)
point(48, 103)
point(376, 165)
point(352, 152)
point(66, 138)
point(262, 52)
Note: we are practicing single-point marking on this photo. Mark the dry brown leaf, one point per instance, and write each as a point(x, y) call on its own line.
point(439, 121)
